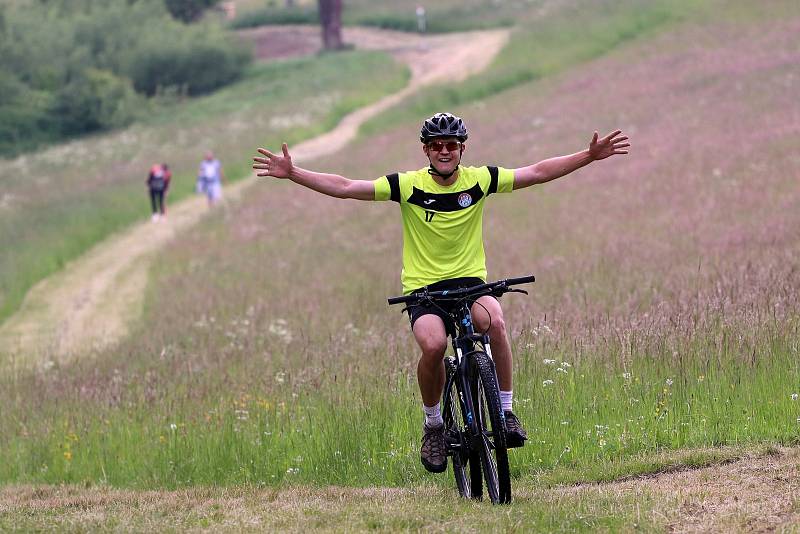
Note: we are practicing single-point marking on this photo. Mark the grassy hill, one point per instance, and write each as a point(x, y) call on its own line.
point(666, 301)
point(59, 202)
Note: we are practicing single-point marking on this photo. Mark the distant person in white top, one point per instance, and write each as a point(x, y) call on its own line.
point(210, 178)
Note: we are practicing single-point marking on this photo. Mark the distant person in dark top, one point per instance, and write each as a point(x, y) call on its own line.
point(157, 183)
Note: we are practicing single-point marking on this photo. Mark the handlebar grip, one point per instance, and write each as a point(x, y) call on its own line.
point(400, 300)
point(521, 280)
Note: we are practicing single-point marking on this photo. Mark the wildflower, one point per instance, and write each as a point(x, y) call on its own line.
point(701, 378)
point(68, 456)
point(547, 383)
point(626, 376)
point(669, 382)
point(293, 470)
point(561, 370)
point(794, 396)
point(602, 442)
point(564, 422)
point(566, 365)
point(173, 426)
point(279, 329)
point(548, 362)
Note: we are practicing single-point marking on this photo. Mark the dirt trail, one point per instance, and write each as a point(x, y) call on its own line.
point(90, 304)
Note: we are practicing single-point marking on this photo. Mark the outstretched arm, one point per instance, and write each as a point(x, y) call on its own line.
point(552, 168)
point(328, 184)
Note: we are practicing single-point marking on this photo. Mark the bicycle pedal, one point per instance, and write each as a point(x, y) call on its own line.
point(512, 443)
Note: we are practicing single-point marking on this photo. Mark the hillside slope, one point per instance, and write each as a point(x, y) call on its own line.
point(92, 303)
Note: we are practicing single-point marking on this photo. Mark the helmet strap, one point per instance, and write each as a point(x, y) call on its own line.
point(433, 172)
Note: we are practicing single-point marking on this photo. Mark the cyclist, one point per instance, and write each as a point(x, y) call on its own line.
point(442, 212)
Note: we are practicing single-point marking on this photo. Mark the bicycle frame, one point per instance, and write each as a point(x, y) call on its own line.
point(464, 348)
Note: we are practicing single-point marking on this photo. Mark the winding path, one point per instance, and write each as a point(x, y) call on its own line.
point(90, 304)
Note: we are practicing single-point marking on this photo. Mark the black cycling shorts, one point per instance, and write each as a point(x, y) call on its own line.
point(443, 309)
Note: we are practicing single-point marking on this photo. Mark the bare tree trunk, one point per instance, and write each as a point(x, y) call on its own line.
point(330, 15)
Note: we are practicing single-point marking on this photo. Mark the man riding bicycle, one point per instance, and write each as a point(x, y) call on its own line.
point(442, 212)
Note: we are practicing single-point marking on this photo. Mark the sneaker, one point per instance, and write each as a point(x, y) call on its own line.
point(434, 451)
point(515, 434)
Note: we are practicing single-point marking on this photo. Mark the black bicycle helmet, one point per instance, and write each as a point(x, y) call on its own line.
point(443, 125)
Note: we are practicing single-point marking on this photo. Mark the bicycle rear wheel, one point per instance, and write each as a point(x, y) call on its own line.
point(490, 419)
point(466, 463)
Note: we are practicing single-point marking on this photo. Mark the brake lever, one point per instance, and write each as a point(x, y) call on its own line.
point(517, 291)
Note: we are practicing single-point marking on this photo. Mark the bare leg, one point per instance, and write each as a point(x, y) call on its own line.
point(431, 337)
point(501, 348)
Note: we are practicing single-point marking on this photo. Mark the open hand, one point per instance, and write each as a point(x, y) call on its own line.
point(612, 144)
point(273, 164)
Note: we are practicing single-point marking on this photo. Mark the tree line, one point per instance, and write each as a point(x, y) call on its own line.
point(71, 67)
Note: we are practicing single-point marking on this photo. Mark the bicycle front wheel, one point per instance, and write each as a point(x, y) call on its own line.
point(491, 424)
point(466, 462)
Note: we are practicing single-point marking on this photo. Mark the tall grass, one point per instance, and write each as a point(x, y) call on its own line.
point(543, 46)
point(586, 416)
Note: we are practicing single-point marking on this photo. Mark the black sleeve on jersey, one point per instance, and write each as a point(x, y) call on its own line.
point(493, 173)
point(394, 186)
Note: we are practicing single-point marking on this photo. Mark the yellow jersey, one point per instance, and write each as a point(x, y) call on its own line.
point(442, 225)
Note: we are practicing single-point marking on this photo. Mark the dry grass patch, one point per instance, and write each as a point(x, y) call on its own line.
point(757, 493)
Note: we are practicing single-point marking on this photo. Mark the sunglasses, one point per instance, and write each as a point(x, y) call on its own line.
point(451, 146)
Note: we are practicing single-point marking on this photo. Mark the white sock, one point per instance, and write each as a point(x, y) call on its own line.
point(506, 400)
point(433, 415)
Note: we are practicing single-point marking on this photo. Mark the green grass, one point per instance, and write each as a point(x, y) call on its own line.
point(65, 199)
point(592, 420)
point(441, 17)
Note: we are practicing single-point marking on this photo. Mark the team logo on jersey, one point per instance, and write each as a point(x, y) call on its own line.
point(464, 200)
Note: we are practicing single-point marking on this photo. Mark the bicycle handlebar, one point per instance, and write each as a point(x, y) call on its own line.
point(495, 288)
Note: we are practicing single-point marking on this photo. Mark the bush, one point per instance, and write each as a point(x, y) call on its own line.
point(272, 15)
point(95, 100)
point(83, 61)
point(23, 115)
point(195, 67)
point(188, 10)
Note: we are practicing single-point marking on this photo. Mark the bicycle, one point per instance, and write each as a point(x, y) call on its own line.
point(475, 431)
